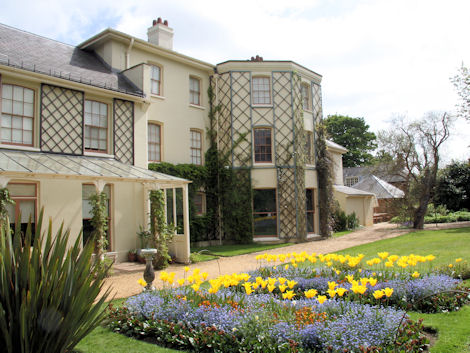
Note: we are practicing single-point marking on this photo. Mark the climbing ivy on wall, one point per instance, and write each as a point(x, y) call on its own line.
point(228, 191)
point(99, 221)
point(162, 233)
point(324, 164)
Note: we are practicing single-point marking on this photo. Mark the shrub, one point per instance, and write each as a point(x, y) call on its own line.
point(47, 291)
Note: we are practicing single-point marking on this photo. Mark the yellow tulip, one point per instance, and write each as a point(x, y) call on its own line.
point(321, 299)
point(415, 274)
point(378, 294)
point(310, 293)
point(372, 281)
point(142, 282)
point(291, 284)
point(271, 287)
point(181, 281)
point(282, 280)
point(388, 292)
point(195, 287)
point(340, 291)
point(288, 294)
point(286, 267)
point(331, 293)
point(186, 268)
point(332, 285)
point(383, 255)
point(458, 260)
point(282, 288)
point(205, 275)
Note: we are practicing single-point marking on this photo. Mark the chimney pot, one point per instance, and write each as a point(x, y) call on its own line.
point(154, 22)
point(160, 34)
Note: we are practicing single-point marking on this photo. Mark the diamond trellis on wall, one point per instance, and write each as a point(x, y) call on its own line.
point(287, 203)
point(61, 120)
point(241, 118)
point(300, 158)
point(317, 106)
point(124, 131)
point(284, 134)
point(224, 129)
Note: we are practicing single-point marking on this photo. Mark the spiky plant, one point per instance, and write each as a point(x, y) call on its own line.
point(48, 290)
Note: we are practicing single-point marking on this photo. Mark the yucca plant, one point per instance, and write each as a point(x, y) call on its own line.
point(48, 290)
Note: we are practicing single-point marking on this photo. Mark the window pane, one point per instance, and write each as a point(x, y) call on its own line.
point(169, 206)
point(28, 95)
point(7, 91)
point(7, 106)
point(17, 108)
point(28, 137)
point(17, 93)
point(310, 222)
point(6, 120)
point(27, 210)
point(22, 189)
point(264, 200)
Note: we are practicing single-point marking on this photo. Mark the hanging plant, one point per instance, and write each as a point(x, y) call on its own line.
point(99, 221)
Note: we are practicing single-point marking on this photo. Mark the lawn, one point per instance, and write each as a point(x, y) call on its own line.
point(214, 252)
point(446, 245)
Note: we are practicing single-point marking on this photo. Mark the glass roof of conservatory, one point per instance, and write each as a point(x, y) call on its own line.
point(41, 163)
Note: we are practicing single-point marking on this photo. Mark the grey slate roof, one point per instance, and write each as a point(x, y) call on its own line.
point(380, 171)
point(39, 54)
point(379, 187)
point(48, 164)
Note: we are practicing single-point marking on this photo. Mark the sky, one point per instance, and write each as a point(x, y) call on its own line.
point(378, 58)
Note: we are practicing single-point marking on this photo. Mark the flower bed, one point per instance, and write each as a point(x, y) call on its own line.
point(327, 304)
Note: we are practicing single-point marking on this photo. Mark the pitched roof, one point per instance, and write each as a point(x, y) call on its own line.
point(49, 164)
point(335, 146)
point(32, 52)
point(351, 191)
point(380, 170)
point(379, 187)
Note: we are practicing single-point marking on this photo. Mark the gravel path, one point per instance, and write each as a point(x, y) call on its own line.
point(124, 282)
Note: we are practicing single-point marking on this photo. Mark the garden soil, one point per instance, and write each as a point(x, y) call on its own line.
point(123, 283)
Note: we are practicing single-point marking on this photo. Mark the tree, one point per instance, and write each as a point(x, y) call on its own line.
point(453, 186)
point(354, 134)
point(461, 82)
point(415, 146)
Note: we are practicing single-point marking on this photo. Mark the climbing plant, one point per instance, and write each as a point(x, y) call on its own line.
point(5, 200)
point(324, 164)
point(162, 233)
point(99, 221)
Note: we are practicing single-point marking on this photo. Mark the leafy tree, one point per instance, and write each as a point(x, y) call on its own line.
point(461, 82)
point(415, 146)
point(453, 186)
point(354, 134)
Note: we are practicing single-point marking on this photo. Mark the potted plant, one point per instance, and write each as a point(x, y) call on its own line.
point(132, 255)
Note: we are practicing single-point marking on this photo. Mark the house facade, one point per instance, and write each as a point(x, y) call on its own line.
point(70, 127)
point(91, 117)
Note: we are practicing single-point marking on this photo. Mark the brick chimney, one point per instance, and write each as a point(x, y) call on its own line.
point(160, 34)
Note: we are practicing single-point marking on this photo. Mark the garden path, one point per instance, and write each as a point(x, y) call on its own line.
point(124, 283)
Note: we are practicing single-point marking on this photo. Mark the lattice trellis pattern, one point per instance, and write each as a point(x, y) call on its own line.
point(300, 157)
point(317, 105)
point(284, 134)
point(61, 120)
point(287, 203)
point(124, 131)
point(262, 116)
point(241, 118)
point(224, 129)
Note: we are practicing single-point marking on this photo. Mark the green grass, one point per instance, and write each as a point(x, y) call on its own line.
point(453, 330)
point(231, 250)
point(103, 340)
point(340, 234)
point(446, 245)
